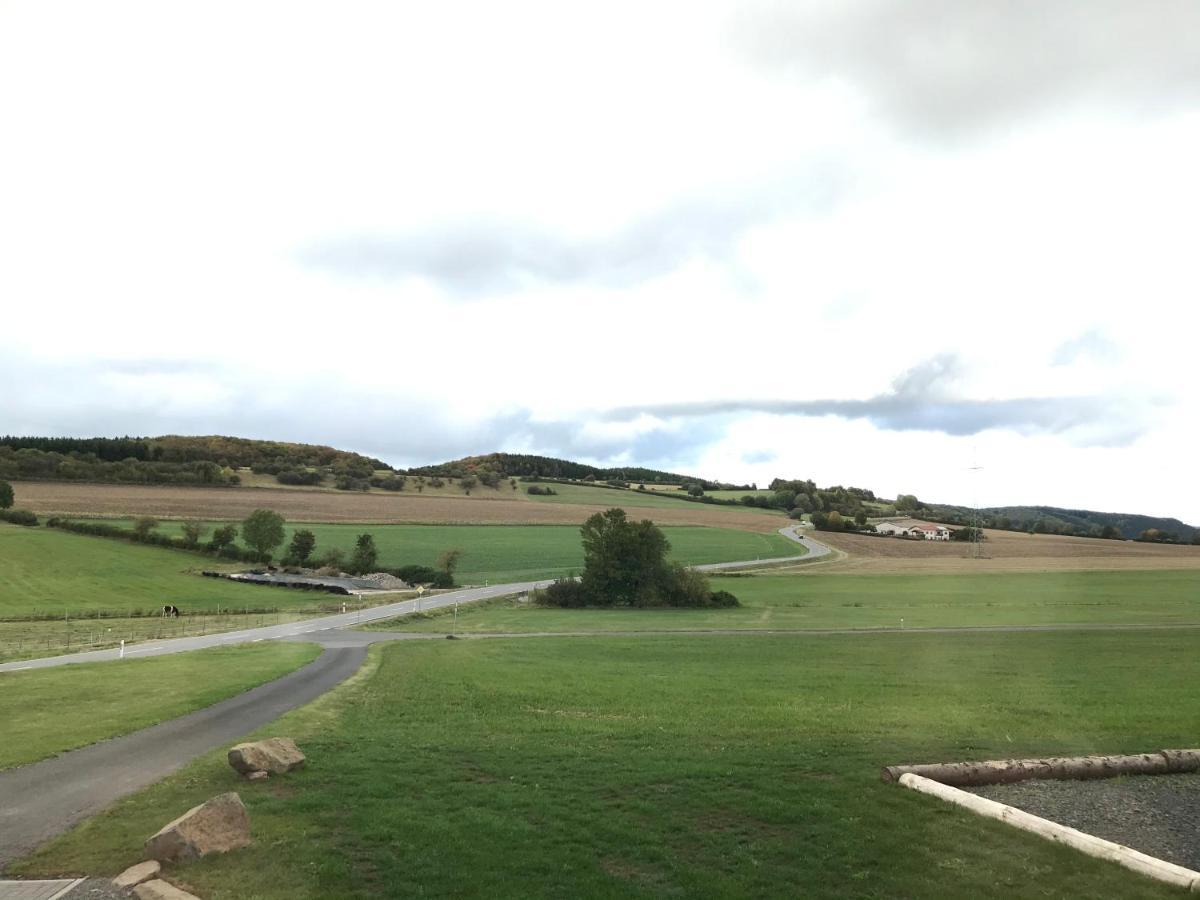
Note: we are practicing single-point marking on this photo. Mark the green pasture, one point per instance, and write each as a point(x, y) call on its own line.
point(659, 766)
point(875, 601)
point(500, 553)
point(49, 572)
point(50, 711)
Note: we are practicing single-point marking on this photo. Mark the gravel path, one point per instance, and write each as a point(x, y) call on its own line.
point(1156, 814)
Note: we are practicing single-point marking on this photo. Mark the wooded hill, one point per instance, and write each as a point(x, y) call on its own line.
point(170, 459)
point(1081, 522)
point(523, 465)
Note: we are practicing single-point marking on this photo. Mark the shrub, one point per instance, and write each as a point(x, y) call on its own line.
point(294, 476)
point(723, 600)
point(19, 517)
point(6, 495)
point(538, 491)
point(566, 593)
point(389, 482)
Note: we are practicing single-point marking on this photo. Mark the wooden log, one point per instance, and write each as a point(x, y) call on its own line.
point(1151, 866)
point(1006, 771)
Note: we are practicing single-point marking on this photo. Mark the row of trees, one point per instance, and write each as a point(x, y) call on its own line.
point(624, 564)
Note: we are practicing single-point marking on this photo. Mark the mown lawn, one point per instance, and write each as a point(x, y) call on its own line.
point(874, 601)
point(500, 553)
point(49, 572)
point(710, 766)
point(48, 711)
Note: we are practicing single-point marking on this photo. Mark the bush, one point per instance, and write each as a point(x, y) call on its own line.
point(349, 483)
point(566, 593)
point(538, 491)
point(294, 476)
point(19, 517)
point(423, 575)
point(6, 495)
point(723, 600)
point(389, 482)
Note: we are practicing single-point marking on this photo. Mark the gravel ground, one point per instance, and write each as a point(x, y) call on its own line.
point(98, 889)
point(1156, 814)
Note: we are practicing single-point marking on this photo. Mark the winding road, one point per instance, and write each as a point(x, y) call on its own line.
point(43, 799)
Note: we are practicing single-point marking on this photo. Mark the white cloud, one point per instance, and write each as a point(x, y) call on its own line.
point(662, 219)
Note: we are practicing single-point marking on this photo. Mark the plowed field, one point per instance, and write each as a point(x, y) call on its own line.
point(1003, 551)
point(329, 506)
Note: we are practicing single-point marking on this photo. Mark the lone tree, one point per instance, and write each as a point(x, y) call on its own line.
point(223, 536)
point(192, 532)
point(143, 526)
point(625, 564)
point(263, 530)
point(302, 545)
point(365, 555)
point(6, 495)
point(448, 561)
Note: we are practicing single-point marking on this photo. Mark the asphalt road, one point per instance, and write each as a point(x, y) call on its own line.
point(43, 799)
point(360, 617)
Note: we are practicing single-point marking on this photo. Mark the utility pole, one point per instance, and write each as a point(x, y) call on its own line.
point(976, 533)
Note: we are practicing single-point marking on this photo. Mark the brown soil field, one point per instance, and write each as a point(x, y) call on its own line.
point(1003, 551)
point(170, 502)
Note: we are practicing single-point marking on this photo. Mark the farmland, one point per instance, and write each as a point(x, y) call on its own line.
point(498, 553)
point(54, 710)
point(486, 506)
point(746, 766)
point(1004, 551)
point(818, 601)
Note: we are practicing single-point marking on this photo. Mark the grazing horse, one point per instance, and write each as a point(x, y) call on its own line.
point(171, 611)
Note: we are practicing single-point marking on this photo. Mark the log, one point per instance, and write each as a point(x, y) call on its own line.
point(1065, 768)
point(1159, 869)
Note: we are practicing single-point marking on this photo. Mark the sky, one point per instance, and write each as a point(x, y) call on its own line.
point(926, 247)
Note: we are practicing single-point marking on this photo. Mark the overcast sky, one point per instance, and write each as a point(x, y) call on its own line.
point(872, 243)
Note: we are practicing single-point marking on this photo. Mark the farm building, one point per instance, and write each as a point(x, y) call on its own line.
point(911, 528)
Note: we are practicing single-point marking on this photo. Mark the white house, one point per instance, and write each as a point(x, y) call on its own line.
point(931, 532)
point(894, 528)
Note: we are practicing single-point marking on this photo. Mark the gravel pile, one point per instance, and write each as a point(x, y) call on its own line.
point(98, 889)
point(385, 582)
point(1156, 814)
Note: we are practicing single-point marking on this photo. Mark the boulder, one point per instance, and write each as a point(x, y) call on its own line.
point(217, 826)
point(275, 755)
point(161, 890)
point(135, 875)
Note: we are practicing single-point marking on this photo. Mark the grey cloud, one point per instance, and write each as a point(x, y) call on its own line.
point(476, 258)
point(947, 66)
point(923, 399)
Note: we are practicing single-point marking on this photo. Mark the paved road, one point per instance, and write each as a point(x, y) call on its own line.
point(360, 617)
point(43, 799)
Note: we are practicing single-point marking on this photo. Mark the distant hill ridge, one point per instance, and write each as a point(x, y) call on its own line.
point(525, 465)
point(169, 459)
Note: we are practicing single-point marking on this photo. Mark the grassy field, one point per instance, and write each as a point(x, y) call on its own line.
point(30, 639)
point(846, 601)
point(664, 766)
point(44, 571)
point(49, 711)
point(498, 553)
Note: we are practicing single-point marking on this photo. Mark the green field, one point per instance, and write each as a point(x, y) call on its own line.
point(500, 553)
point(875, 601)
point(48, 572)
point(581, 493)
point(659, 766)
point(49, 711)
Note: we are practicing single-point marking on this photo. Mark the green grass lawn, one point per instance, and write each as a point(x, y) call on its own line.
point(873, 601)
point(44, 571)
point(662, 766)
point(49, 711)
point(499, 553)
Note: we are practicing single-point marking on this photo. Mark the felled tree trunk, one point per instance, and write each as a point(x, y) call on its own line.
point(1005, 771)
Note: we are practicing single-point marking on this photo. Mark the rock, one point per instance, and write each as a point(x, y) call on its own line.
point(217, 826)
point(161, 890)
point(276, 755)
point(143, 871)
point(257, 776)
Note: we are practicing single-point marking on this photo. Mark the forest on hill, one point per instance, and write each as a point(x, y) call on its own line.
point(170, 459)
point(524, 465)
